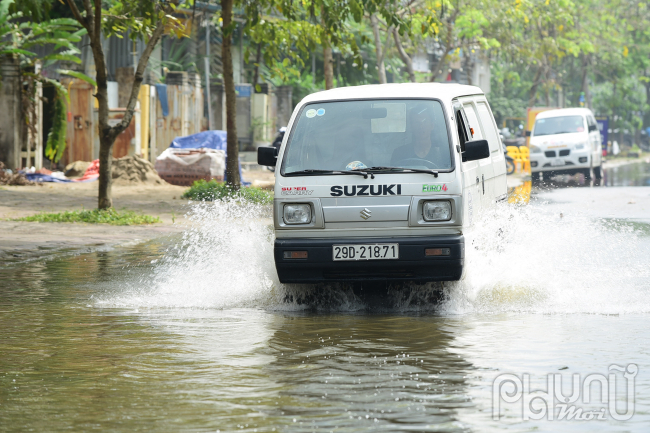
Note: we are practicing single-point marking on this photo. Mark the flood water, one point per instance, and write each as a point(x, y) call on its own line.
point(195, 333)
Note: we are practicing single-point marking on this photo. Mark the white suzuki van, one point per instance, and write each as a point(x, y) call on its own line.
point(566, 141)
point(380, 182)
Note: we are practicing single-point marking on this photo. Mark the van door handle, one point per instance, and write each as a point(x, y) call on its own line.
point(483, 181)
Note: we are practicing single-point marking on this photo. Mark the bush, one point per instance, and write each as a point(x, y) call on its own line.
point(96, 216)
point(202, 190)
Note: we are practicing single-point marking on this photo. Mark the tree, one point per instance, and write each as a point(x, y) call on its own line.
point(232, 162)
point(147, 20)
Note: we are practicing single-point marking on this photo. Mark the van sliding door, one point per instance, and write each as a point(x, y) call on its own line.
point(486, 172)
point(470, 169)
point(499, 183)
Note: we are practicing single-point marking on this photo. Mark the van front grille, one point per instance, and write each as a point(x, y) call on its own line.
point(550, 154)
point(565, 152)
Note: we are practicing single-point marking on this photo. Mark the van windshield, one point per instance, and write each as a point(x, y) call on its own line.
point(354, 135)
point(558, 125)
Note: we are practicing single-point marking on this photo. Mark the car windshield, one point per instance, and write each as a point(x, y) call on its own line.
point(558, 125)
point(355, 135)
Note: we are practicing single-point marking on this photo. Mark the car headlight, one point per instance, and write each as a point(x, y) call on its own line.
point(297, 213)
point(439, 210)
point(580, 146)
point(535, 149)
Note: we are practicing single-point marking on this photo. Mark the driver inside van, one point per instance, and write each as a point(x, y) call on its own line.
point(421, 146)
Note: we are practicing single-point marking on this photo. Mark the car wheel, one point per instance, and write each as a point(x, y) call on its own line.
point(598, 172)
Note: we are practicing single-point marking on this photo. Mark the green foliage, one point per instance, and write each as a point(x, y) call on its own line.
point(202, 190)
point(139, 18)
point(96, 216)
point(56, 138)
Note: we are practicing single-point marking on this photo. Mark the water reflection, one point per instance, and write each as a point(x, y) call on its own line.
point(631, 174)
point(637, 174)
point(353, 373)
point(82, 367)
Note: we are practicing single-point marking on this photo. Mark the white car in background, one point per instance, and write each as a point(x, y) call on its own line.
point(566, 141)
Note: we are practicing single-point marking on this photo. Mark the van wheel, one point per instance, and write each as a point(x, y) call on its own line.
point(598, 172)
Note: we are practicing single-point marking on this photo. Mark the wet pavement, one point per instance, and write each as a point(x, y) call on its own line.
point(193, 332)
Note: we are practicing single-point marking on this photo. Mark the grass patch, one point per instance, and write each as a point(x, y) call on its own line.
point(95, 216)
point(202, 190)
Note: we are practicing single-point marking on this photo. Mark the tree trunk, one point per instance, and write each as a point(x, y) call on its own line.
point(232, 160)
point(468, 65)
point(327, 65)
point(404, 56)
point(258, 62)
point(92, 22)
point(585, 81)
point(532, 94)
point(381, 68)
point(449, 45)
point(106, 138)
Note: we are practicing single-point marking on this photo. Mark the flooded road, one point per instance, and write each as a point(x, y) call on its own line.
point(197, 334)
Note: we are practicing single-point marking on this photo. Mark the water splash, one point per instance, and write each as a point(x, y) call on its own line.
point(518, 258)
point(527, 258)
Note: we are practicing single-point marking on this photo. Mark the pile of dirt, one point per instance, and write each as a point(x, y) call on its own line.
point(77, 168)
point(132, 170)
point(13, 178)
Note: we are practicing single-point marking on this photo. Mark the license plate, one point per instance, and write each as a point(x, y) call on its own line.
point(365, 252)
point(557, 162)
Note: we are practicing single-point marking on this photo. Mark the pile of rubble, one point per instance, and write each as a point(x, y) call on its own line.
point(132, 170)
point(8, 177)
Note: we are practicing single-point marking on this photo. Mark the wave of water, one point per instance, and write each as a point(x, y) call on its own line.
point(527, 258)
point(518, 258)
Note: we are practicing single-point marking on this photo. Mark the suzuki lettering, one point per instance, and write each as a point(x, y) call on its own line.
point(361, 190)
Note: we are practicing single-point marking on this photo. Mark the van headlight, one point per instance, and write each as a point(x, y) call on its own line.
point(580, 146)
point(535, 149)
point(297, 213)
point(439, 210)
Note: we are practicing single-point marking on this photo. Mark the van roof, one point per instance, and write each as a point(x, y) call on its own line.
point(442, 91)
point(564, 112)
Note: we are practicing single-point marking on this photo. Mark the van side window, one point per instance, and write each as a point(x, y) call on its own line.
point(472, 120)
point(488, 126)
point(462, 130)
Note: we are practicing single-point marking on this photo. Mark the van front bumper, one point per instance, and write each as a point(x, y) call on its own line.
point(412, 264)
point(575, 161)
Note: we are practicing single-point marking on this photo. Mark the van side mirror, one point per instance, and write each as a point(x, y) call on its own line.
point(267, 156)
point(477, 149)
point(528, 133)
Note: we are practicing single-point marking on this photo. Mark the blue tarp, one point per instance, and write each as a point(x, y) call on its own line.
point(207, 139)
point(38, 177)
point(161, 89)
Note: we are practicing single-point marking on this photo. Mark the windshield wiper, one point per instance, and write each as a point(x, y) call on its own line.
point(414, 170)
point(316, 171)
